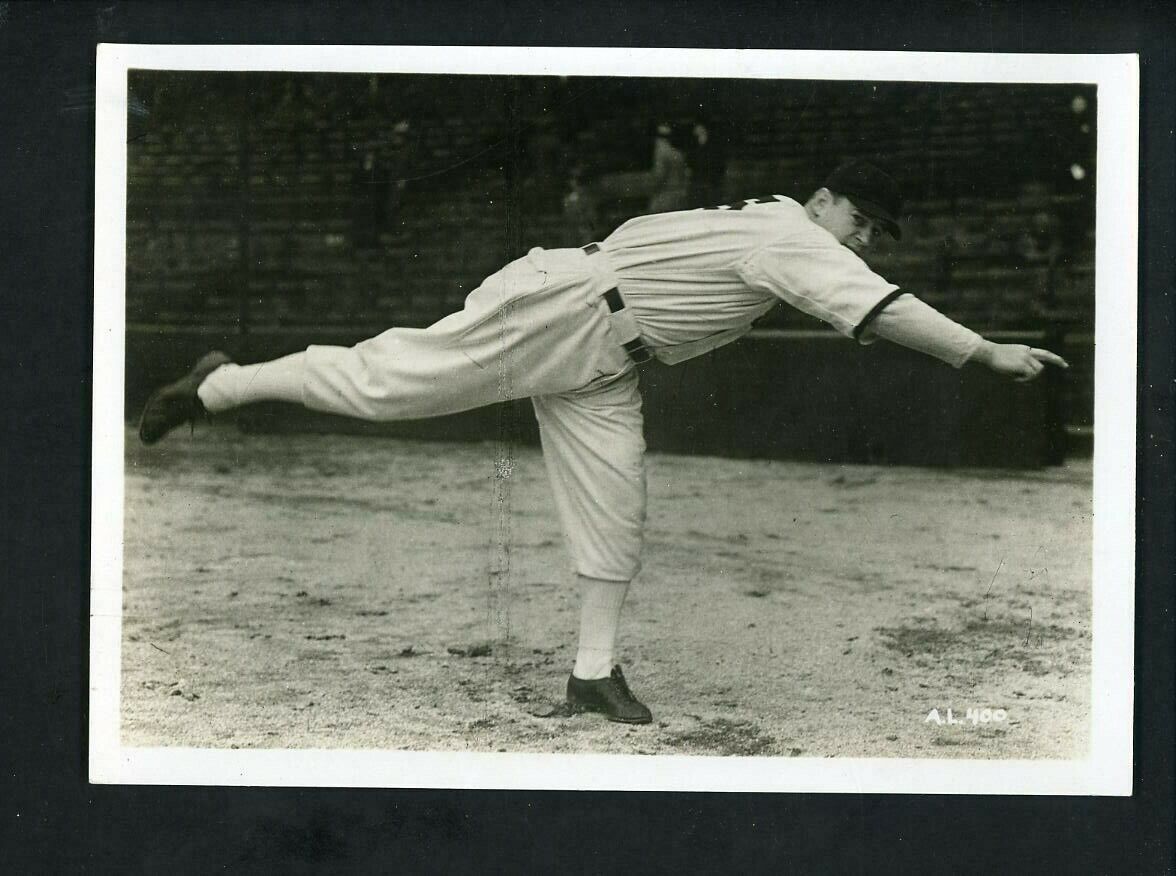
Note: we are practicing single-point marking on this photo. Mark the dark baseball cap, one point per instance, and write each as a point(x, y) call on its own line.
point(872, 190)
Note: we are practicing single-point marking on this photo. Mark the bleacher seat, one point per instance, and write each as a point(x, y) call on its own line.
point(963, 152)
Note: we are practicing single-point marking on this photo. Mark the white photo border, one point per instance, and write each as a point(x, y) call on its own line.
point(1108, 768)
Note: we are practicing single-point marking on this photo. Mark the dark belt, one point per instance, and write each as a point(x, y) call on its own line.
point(636, 348)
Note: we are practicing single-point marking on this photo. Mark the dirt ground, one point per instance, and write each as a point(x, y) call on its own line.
point(307, 591)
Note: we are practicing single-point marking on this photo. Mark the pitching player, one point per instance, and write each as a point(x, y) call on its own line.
point(568, 328)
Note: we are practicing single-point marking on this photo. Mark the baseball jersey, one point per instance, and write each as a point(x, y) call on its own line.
point(696, 279)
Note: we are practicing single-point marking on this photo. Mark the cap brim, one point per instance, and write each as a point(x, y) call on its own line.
point(878, 214)
point(891, 226)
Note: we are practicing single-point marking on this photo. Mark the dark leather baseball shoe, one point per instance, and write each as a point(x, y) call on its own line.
point(609, 696)
point(177, 403)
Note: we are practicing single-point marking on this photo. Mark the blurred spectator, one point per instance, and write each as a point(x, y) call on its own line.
point(1040, 243)
point(707, 160)
point(670, 174)
point(546, 149)
point(400, 165)
point(542, 165)
point(1039, 249)
point(579, 210)
point(378, 184)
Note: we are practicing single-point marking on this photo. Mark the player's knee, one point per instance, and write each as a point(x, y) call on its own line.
point(609, 571)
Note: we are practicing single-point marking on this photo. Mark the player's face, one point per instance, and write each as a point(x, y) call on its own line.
point(848, 224)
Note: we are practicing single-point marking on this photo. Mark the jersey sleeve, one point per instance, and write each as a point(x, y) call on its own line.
point(919, 326)
point(821, 278)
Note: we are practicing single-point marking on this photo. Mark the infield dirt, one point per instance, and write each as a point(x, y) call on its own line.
point(309, 591)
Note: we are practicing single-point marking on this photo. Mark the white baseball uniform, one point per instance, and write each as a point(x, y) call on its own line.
point(553, 326)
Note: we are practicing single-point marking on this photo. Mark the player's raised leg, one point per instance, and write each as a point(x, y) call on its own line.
point(401, 373)
point(532, 328)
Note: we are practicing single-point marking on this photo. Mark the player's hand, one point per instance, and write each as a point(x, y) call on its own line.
point(1018, 361)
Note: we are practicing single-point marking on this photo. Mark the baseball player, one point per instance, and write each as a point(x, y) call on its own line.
point(568, 329)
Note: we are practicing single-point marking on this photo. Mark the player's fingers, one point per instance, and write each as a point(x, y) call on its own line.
point(1047, 356)
point(1029, 370)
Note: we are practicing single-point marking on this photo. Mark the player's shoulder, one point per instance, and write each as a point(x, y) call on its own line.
point(759, 203)
point(779, 218)
point(778, 215)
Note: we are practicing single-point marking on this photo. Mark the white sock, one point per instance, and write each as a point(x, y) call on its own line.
point(600, 615)
point(233, 385)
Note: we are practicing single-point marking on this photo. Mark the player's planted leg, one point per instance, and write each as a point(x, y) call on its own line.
point(597, 683)
point(600, 616)
point(594, 450)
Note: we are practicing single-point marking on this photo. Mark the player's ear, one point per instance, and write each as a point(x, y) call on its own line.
point(819, 201)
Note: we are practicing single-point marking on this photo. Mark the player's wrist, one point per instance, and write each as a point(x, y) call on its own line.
point(984, 353)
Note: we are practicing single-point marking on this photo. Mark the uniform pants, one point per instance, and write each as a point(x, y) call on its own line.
point(538, 328)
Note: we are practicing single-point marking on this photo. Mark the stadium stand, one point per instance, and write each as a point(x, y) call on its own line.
point(242, 190)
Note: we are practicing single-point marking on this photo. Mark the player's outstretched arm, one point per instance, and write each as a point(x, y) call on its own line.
point(912, 323)
point(1018, 361)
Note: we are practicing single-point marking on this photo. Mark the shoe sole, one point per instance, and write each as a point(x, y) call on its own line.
point(581, 709)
